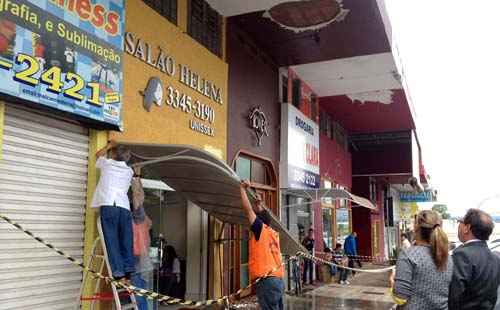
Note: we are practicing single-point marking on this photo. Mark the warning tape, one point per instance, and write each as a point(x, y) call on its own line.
point(360, 257)
point(224, 300)
point(136, 290)
point(323, 261)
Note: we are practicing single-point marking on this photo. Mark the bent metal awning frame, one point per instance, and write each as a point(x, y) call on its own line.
point(209, 183)
point(317, 195)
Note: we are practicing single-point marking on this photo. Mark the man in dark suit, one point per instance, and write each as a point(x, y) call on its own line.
point(476, 274)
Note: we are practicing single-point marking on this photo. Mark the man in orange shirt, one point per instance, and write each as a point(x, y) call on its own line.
point(264, 254)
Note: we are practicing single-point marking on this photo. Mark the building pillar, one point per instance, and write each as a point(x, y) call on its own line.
point(98, 139)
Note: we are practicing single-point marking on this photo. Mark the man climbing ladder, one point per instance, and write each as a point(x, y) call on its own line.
point(116, 219)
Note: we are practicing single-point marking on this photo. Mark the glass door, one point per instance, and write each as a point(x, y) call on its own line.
point(149, 266)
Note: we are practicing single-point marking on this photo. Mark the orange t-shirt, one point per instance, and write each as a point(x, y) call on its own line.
point(265, 254)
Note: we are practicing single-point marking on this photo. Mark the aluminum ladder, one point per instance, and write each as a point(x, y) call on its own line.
point(99, 258)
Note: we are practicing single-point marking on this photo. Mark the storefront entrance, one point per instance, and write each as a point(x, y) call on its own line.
point(177, 264)
point(263, 179)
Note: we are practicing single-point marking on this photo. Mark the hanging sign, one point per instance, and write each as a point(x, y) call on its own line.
point(63, 54)
point(424, 196)
point(300, 156)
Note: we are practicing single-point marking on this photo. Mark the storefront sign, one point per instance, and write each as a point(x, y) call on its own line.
point(415, 197)
point(203, 114)
point(300, 154)
point(65, 55)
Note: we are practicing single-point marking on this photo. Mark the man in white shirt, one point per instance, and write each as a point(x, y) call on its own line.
point(116, 219)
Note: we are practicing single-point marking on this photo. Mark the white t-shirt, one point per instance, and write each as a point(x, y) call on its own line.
point(113, 184)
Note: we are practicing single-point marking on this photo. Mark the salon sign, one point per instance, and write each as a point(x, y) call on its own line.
point(159, 93)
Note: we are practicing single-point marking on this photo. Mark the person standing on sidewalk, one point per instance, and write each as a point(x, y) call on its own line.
point(423, 271)
point(264, 254)
point(343, 261)
point(116, 219)
point(476, 274)
point(405, 243)
point(351, 250)
point(308, 243)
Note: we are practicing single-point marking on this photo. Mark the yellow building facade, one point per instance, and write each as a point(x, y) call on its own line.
point(192, 110)
point(159, 57)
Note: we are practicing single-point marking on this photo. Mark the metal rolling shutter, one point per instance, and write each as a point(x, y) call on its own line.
point(43, 180)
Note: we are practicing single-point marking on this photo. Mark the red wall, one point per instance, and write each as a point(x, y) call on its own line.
point(334, 162)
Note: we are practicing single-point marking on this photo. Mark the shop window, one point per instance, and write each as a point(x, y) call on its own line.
point(244, 276)
point(343, 227)
point(339, 134)
point(373, 190)
point(296, 93)
point(322, 122)
point(243, 168)
point(254, 170)
point(343, 203)
point(284, 89)
point(166, 8)
point(314, 107)
point(329, 124)
point(328, 228)
point(205, 26)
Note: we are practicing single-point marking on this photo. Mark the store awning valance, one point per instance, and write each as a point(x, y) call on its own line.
point(204, 180)
point(317, 195)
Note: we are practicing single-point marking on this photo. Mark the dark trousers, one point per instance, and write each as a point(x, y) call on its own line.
point(352, 259)
point(270, 293)
point(343, 274)
point(117, 230)
point(308, 269)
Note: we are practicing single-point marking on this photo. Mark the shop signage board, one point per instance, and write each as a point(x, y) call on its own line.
point(199, 107)
point(66, 55)
point(300, 154)
point(424, 196)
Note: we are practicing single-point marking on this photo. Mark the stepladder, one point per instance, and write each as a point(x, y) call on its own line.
point(98, 261)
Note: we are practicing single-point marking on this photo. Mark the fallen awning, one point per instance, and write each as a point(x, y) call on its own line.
point(204, 180)
point(317, 195)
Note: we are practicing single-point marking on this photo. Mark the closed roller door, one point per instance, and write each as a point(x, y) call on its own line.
point(43, 180)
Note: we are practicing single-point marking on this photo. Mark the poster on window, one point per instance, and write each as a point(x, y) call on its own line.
point(66, 55)
point(300, 156)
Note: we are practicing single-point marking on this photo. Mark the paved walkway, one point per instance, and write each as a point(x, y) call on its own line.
point(366, 291)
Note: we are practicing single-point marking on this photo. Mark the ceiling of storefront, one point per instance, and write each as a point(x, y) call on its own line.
point(370, 117)
point(361, 33)
point(351, 75)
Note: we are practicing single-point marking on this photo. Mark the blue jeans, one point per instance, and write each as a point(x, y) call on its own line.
point(270, 293)
point(308, 270)
point(117, 230)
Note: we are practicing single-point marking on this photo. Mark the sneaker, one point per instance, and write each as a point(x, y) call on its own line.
point(342, 282)
point(347, 282)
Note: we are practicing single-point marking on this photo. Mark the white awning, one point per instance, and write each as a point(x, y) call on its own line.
point(155, 184)
point(205, 180)
point(317, 195)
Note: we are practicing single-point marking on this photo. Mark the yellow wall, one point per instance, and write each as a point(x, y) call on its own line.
point(164, 124)
point(98, 139)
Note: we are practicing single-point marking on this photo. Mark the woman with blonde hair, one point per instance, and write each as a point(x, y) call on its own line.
point(423, 271)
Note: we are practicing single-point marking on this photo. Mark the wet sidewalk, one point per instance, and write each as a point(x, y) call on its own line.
point(366, 291)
